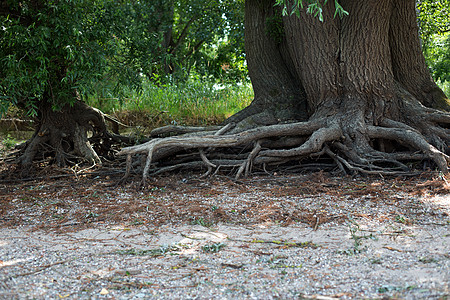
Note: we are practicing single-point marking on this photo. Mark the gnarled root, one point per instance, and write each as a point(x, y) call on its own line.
point(76, 133)
point(161, 146)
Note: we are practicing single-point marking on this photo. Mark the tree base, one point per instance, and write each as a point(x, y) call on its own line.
point(354, 140)
point(73, 135)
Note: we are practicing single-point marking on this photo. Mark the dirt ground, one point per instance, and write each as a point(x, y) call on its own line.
point(76, 234)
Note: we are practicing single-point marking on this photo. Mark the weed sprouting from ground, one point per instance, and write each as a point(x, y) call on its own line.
point(357, 239)
point(213, 248)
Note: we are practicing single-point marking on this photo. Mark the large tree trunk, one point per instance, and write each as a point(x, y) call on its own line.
point(364, 70)
point(357, 86)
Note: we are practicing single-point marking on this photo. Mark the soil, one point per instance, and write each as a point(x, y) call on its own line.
point(74, 233)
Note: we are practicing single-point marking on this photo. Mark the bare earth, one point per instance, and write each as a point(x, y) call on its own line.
point(266, 237)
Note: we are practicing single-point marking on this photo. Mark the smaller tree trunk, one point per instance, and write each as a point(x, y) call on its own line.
point(66, 136)
point(278, 94)
point(408, 62)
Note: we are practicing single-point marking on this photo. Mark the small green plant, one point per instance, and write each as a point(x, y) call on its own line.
point(403, 220)
point(201, 221)
point(376, 261)
point(388, 288)
point(213, 248)
point(400, 219)
point(428, 260)
point(307, 244)
point(137, 222)
point(279, 262)
point(136, 252)
point(357, 239)
point(91, 214)
point(161, 251)
point(8, 143)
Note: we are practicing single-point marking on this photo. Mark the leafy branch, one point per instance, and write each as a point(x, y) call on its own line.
point(313, 7)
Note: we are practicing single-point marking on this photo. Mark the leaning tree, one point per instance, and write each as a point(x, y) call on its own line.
point(355, 89)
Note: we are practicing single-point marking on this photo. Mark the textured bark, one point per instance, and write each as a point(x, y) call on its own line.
point(278, 94)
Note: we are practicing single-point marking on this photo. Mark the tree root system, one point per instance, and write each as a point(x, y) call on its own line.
point(349, 142)
point(75, 134)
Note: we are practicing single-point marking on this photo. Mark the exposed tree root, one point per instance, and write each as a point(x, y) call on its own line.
point(76, 133)
point(348, 141)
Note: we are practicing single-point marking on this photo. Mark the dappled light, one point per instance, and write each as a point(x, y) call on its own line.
point(13, 262)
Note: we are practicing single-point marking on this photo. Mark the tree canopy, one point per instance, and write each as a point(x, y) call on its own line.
point(56, 48)
point(51, 51)
point(434, 23)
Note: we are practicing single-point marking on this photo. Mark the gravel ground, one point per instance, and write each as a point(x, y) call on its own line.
point(398, 248)
point(258, 262)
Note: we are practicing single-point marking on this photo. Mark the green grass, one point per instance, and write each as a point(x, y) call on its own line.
point(445, 86)
point(196, 102)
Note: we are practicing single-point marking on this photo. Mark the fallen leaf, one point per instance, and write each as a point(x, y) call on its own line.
point(392, 249)
point(104, 292)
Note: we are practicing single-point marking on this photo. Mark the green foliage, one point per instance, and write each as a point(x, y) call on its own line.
point(223, 61)
point(313, 7)
point(437, 54)
point(58, 51)
point(433, 18)
point(434, 21)
point(49, 51)
point(213, 43)
point(181, 38)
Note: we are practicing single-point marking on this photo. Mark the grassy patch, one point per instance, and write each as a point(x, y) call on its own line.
point(195, 102)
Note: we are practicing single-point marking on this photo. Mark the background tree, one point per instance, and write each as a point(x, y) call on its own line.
point(356, 89)
point(55, 53)
point(168, 39)
point(52, 53)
